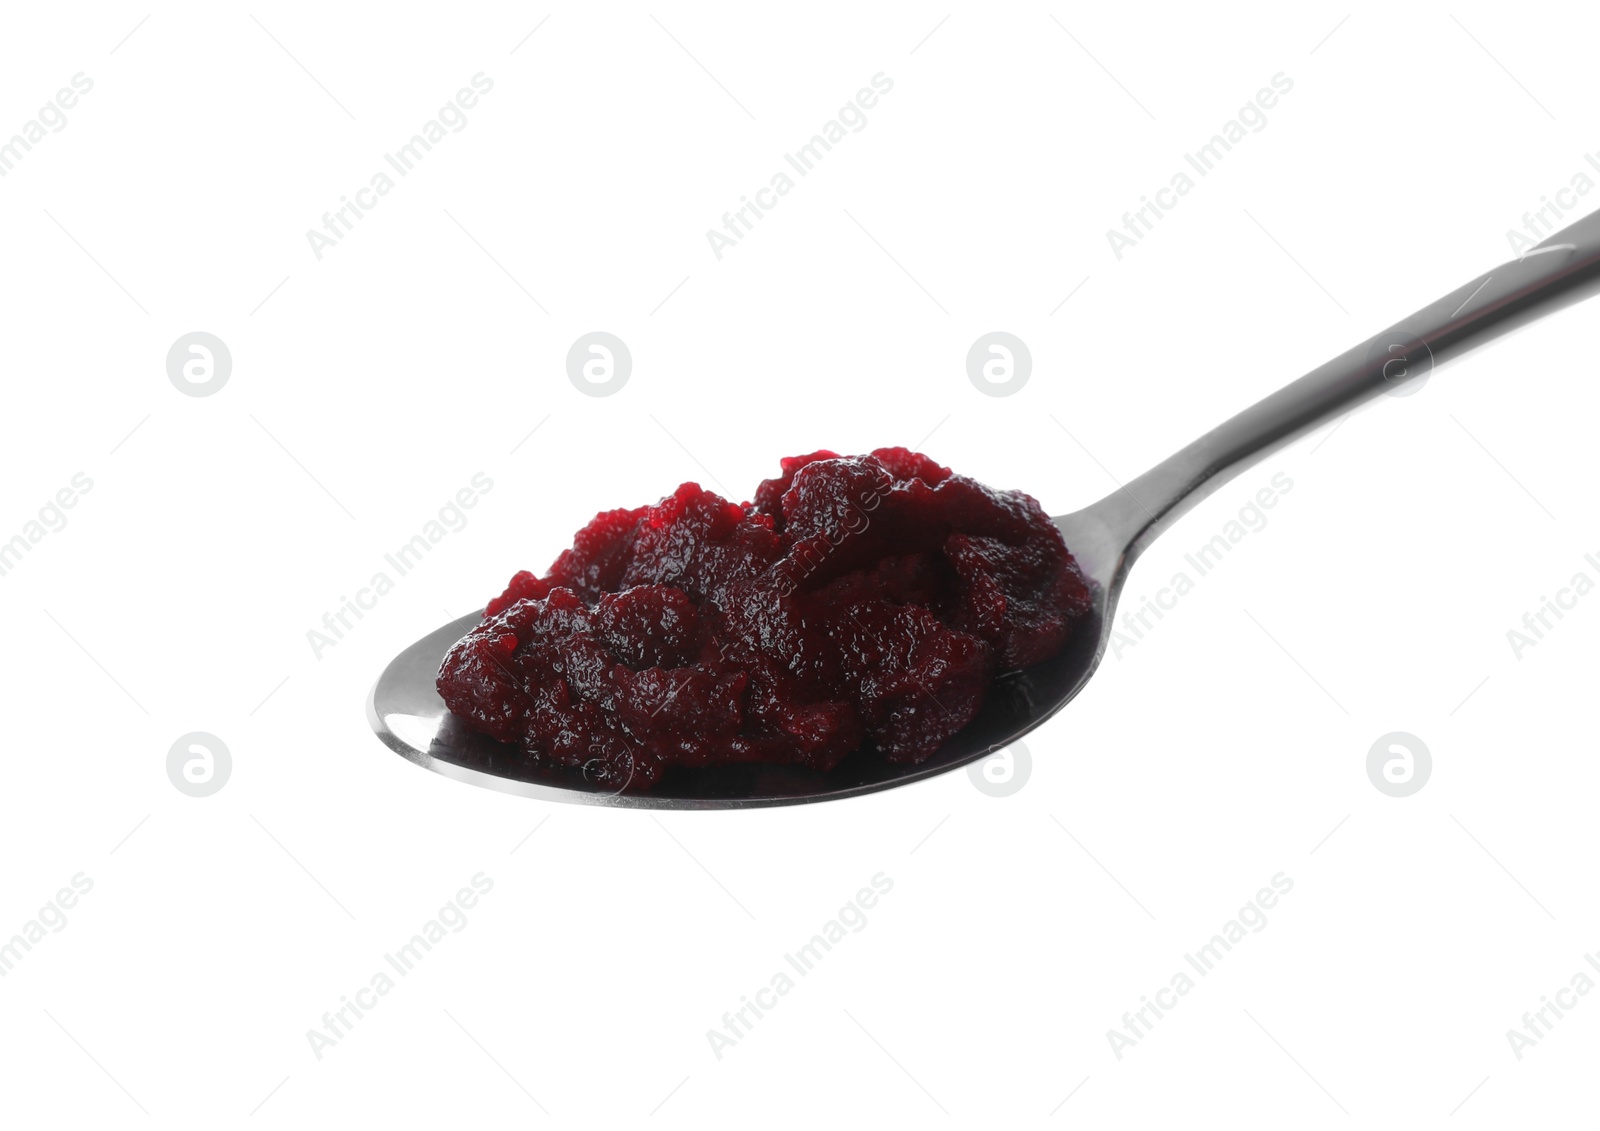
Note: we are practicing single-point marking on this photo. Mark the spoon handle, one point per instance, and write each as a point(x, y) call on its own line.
point(1562, 270)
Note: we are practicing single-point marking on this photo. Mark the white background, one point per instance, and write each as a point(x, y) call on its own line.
point(368, 387)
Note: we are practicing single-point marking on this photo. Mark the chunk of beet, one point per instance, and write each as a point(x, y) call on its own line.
point(857, 598)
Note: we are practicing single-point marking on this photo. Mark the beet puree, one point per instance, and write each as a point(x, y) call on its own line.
point(858, 597)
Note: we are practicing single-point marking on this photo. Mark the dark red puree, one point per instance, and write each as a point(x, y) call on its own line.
point(859, 597)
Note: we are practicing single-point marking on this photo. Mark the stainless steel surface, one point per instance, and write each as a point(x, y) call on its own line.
point(1106, 538)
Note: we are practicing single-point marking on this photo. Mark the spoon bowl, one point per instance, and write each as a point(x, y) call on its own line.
point(408, 715)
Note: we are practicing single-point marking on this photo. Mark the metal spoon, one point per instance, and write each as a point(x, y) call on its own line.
point(1106, 539)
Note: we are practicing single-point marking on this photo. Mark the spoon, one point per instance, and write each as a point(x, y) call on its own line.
point(1106, 539)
